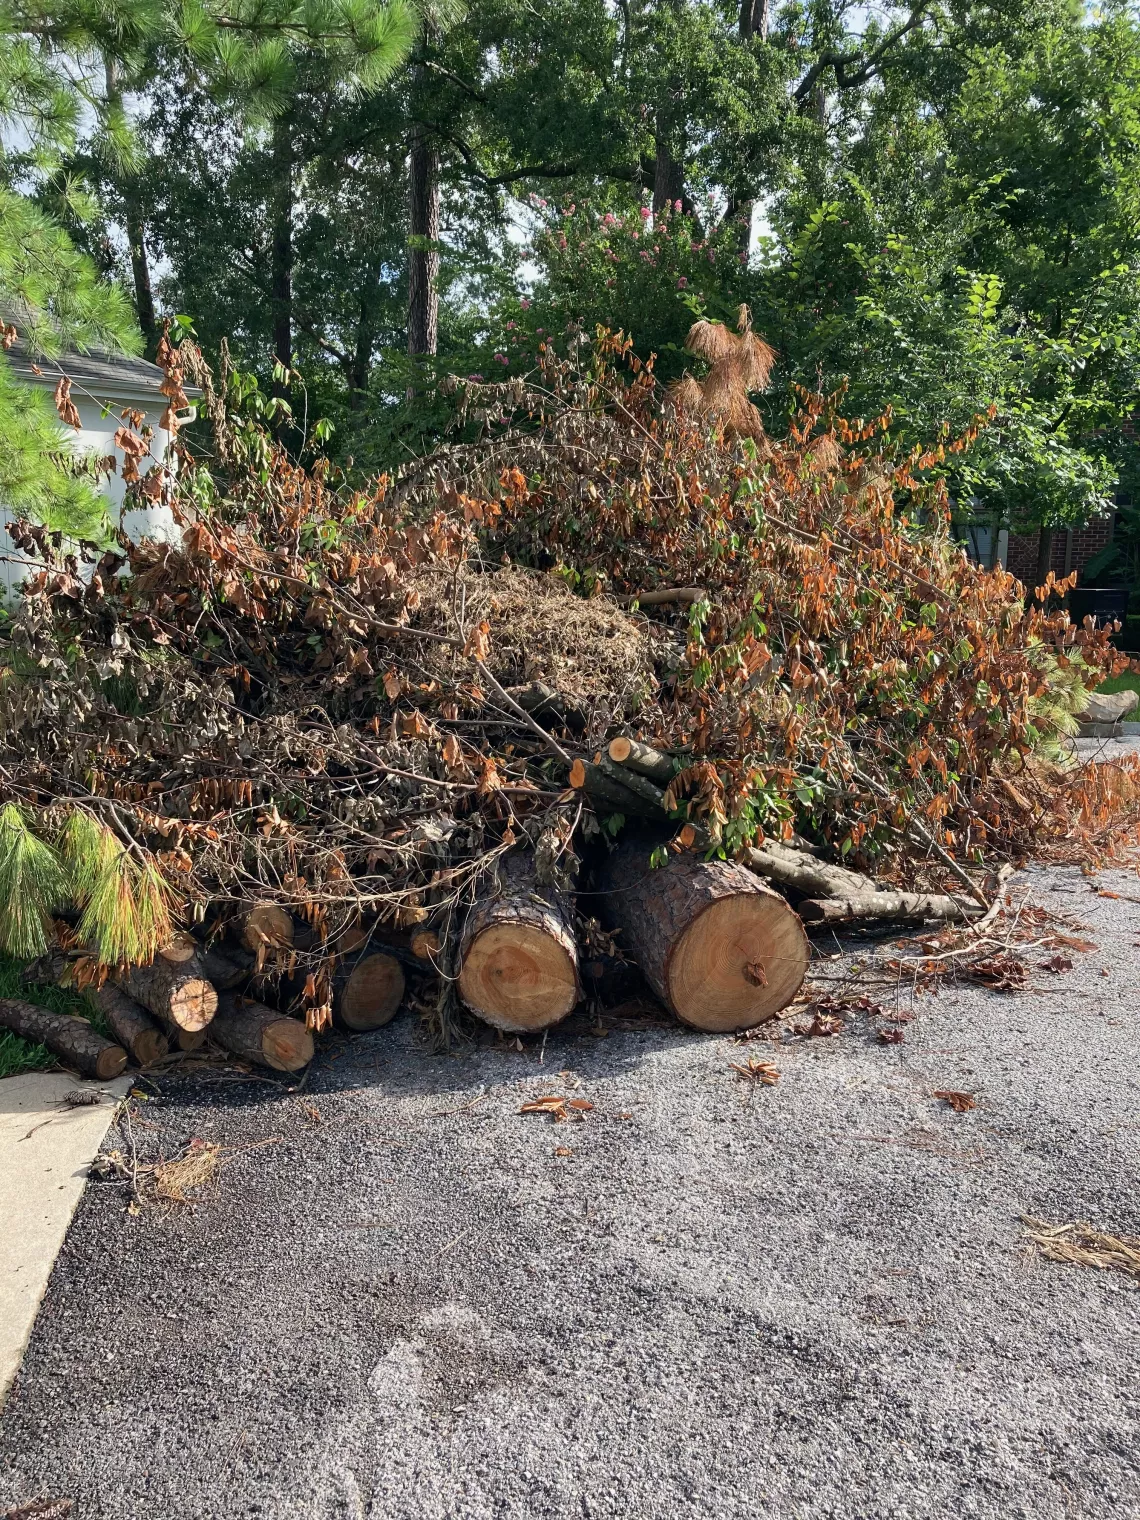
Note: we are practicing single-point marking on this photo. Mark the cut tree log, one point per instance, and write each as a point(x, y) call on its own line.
point(684, 595)
point(263, 1035)
point(718, 947)
point(131, 1025)
point(182, 947)
point(72, 1040)
point(175, 994)
point(227, 968)
point(368, 996)
point(518, 957)
point(643, 759)
point(266, 924)
point(887, 907)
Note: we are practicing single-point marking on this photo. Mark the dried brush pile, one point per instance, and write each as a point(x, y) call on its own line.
point(336, 727)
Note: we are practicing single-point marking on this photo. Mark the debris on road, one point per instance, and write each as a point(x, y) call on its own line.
point(1082, 1245)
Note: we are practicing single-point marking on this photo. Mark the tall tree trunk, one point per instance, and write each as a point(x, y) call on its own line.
point(668, 171)
point(140, 266)
point(754, 19)
point(423, 243)
point(281, 257)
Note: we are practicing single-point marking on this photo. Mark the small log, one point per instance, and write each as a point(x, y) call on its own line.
point(425, 944)
point(227, 968)
point(131, 1025)
point(266, 924)
point(263, 1035)
point(72, 1040)
point(181, 948)
point(684, 595)
point(643, 759)
point(797, 871)
point(718, 947)
point(369, 995)
point(887, 907)
point(178, 995)
point(616, 795)
point(518, 957)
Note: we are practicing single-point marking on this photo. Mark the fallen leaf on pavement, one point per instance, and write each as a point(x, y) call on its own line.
point(558, 1107)
point(40, 1509)
point(563, 1150)
point(758, 1071)
point(890, 1036)
point(1057, 963)
point(960, 1102)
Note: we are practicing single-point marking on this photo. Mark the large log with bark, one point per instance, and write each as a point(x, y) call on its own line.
point(72, 1040)
point(369, 995)
point(265, 927)
point(131, 1025)
point(176, 993)
point(518, 957)
point(263, 1035)
point(718, 947)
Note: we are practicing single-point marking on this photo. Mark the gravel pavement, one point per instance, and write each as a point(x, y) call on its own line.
point(706, 1299)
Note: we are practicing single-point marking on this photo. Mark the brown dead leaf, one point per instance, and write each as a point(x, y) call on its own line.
point(960, 1102)
point(563, 1150)
point(758, 1071)
point(40, 1509)
point(890, 1036)
point(1057, 964)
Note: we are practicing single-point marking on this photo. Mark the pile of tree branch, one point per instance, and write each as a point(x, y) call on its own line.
point(604, 682)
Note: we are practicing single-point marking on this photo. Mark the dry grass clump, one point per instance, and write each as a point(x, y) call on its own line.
point(540, 631)
point(1082, 1246)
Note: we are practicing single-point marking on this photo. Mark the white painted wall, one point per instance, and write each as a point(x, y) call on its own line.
point(96, 437)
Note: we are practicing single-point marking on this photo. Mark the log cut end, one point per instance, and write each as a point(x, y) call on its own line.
point(518, 977)
point(371, 995)
point(193, 1004)
point(110, 1063)
point(267, 924)
point(738, 963)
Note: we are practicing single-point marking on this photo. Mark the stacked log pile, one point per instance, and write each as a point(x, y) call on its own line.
point(601, 675)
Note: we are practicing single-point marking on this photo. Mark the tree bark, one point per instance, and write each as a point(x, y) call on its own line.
point(518, 957)
point(260, 1034)
point(176, 994)
point(754, 19)
point(719, 949)
point(131, 1025)
point(281, 254)
point(668, 173)
point(140, 266)
point(887, 907)
point(423, 243)
point(72, 1040)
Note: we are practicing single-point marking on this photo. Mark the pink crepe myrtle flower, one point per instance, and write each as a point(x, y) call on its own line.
point(510, 326)
point(525, 304)
point(610, 220)
point(676, 205)
point(502, 359)
point(645, 213)
point(682, 283)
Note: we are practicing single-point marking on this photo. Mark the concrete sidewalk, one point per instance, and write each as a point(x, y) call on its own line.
point(46, 1146)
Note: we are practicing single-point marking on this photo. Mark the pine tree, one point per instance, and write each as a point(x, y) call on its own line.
point(61, 57)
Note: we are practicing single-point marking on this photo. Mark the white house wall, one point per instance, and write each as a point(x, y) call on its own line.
point(97, 437)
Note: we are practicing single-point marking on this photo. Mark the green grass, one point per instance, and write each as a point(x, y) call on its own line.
point(18, 1055)
point(1129, 681)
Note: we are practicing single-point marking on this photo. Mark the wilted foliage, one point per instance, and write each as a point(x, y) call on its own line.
point(315, 697)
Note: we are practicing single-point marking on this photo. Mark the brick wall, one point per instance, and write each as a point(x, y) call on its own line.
point(1071, 550)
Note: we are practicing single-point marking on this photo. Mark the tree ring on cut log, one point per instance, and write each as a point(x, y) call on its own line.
point(369, 997)
point(735, 965)
point(518, 977)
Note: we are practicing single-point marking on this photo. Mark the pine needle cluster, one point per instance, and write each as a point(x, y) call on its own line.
point(124, 901)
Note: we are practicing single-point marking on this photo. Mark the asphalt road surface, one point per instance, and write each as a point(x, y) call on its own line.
point(707, 1298)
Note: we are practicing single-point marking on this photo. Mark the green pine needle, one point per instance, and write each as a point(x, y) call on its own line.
point(32, 883)
point(126, 916)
